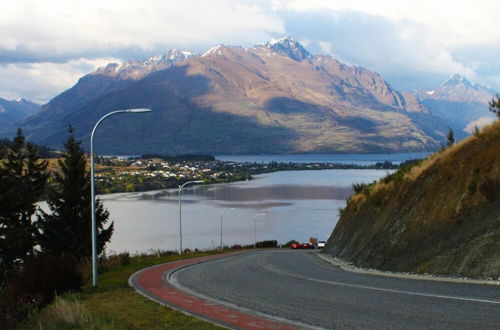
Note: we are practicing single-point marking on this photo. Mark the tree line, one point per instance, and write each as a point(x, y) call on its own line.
point(26, 231)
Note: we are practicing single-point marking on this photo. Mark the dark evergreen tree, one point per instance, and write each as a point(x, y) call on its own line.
point(494, 106)
point(67, 228)
point(450, 138)
point(23, 177)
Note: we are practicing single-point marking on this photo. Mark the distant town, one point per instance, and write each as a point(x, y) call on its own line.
point(152, 172)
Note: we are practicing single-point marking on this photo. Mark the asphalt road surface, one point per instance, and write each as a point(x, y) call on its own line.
point(296, 285)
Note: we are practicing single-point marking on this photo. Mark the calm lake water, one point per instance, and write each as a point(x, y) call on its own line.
point(297, 205)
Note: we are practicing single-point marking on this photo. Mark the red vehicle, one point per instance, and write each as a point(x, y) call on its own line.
point(296, 245)
point(307, 246)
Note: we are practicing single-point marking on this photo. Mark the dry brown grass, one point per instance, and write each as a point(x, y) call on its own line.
point(440, 216)
point(488, 132)
point(67, 314)
point(357, 198)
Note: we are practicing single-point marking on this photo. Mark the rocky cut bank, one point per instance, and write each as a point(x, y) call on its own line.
point(441, 216)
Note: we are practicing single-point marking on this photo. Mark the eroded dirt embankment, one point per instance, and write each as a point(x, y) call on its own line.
point(441, 216)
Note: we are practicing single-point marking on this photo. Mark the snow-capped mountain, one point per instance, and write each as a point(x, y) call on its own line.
point(103, 81)
point(271, 98)
point(12, 111)
point(460, 103)
point(135, 69)
point(458, 88)
point(215, 50)
point(287, 46)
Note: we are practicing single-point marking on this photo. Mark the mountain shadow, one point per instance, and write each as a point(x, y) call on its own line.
point(287, 105)
point(177, 124)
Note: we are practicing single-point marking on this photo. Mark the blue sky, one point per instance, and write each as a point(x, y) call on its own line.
point(45, 46)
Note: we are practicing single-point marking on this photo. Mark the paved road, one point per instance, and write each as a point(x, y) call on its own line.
point(298, 286)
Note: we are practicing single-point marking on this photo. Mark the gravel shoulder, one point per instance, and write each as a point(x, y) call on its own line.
point(344, 265)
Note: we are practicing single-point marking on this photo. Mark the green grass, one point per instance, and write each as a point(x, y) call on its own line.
point(114, 305)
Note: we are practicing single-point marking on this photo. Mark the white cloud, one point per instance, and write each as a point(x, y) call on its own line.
point(396, 48)
point(479, 123)
point(401, 39)
point(60, 29)
point(54, 36)
point(42, 81)
point(454, 21)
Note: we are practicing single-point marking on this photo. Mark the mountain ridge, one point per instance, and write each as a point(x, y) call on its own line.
point(277, 93)
point(460, 103)
point(13, 110)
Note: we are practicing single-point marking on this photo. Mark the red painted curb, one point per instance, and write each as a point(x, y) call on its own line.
point(150, 283)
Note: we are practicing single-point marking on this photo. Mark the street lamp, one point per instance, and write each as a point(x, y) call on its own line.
point(180, 211)
point(221, 213)
point(255, 227)
point(92, 189)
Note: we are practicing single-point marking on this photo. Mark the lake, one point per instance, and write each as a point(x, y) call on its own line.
point(358, 159)
point(297, 205)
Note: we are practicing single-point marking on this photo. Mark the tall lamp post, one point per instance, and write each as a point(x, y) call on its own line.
point(92, 189)
point(255, 228)
point(180, 211)
point(221, 213)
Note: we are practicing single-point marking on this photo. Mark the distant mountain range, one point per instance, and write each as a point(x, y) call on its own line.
point(460, 104)
point(272, 98)
point(12, 111)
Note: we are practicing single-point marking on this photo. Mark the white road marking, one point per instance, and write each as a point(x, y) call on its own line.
point(373, 288)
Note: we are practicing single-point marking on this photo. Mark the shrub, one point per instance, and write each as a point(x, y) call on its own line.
point(404, 168)
point(490, 189)
point(358, 187)
point(267, 244)
point(363, 188)
point(38, 281)
point(12, 312)
point(476, 132)
point(124, 258)
point(42, 277)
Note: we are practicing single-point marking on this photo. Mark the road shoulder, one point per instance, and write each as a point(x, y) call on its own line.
point(342, 264)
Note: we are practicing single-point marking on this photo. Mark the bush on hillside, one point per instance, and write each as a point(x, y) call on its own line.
point(363, 188)
point(40, 279)
point(404, 168)
point(490, 189)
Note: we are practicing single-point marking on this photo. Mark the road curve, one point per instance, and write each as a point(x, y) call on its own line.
point(299, 286)
point(154, 283)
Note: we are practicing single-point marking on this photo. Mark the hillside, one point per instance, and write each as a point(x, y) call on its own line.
point(441, 216)
point(272, 98)
point(90, 87)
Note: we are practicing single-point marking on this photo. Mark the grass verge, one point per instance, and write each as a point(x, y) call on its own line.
point(114, 305)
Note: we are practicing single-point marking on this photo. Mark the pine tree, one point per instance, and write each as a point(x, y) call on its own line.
point(494, 106)
point(67, 228)
point(23, 178)
point(450, 138)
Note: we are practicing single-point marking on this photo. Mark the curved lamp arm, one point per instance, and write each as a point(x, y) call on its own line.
point(92, 189)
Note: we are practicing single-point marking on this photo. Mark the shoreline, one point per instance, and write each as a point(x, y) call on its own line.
point(263, 168)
